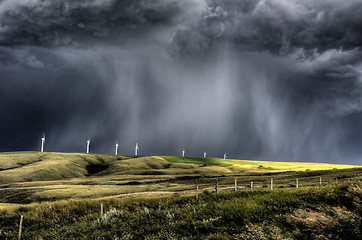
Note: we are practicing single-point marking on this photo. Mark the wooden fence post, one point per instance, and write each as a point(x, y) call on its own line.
point(21, 225)
point(336, 181)
point(217, 186)
point(251, 186)
point(159, 205)
point(197, 192)
point(236, 184)
point(320, 181)
point(271, 184)
point(297, 183)
point(102, 212)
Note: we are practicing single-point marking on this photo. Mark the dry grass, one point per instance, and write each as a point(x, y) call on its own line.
point(323, 212)
point(323, 223)
point(34, 176)
point(261, 232)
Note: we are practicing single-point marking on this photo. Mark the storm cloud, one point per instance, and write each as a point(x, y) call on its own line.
point(277, 26)
point(272, 79)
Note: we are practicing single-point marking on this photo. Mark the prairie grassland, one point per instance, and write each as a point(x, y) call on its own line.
point(27, 177)
point(326, 212)
point(153, 197)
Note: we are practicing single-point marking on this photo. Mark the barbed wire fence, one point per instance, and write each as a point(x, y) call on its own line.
point(228, 184)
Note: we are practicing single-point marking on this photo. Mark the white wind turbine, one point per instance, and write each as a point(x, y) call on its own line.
point(42, 143)
point(117, 148)
point(136, 149)
point(88, 143)
point(183, 152)
point(225, 156)
point(204, 154)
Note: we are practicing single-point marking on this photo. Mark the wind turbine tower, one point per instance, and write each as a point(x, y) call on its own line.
point(136, 149)
point(183, 152)
point(42, 143)
point(117, 148)
point(204, 154)
point(225, 156)
point(88, 143)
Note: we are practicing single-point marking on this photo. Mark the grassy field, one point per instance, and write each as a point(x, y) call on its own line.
point(27, 177)
point(60, 194)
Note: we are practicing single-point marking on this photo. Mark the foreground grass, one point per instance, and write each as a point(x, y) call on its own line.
point(329, 212)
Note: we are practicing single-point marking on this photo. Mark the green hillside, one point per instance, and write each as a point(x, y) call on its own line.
point(26, 177)
point(36, 166)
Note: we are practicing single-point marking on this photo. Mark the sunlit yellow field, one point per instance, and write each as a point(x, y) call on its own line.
point(27, 177)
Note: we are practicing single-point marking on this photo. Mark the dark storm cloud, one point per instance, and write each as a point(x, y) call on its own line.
point(57, 70)
point(307, 30)
point(64, 22)
point(276, 26)
point(272, 79)
point(40, 90)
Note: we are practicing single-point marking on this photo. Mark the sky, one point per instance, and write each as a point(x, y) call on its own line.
point(257, 79)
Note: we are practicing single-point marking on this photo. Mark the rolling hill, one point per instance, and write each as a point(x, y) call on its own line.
point(33, 176)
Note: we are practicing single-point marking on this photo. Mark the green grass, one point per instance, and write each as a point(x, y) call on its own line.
point(26, 177)
point(256, 166)
point(60, 194)
point(329, 212)
point(196, 160)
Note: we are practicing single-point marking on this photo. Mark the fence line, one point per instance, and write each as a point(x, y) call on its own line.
point(263, 183)
point(224, 183)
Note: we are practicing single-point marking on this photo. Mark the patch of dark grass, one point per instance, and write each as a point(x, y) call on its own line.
point(151, 172)
point(95, 168)
point(18, 195)
point(188, 178)
point(131, 183)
